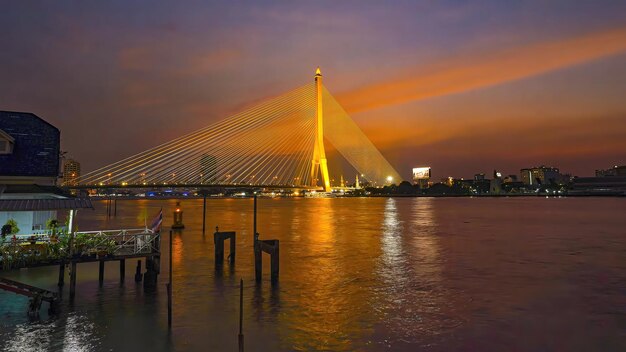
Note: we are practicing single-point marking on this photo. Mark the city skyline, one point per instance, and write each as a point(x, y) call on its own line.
point(460, 87)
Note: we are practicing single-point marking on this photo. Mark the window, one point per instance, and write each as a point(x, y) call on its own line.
point(6, 143)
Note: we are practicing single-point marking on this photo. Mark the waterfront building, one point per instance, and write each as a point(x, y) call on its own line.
point(71, 172)
point(495, 185)
point(29, 149)
point(604, 185)
point(32, 206)
point(614, 171)
point(510, 179)
point(29, 168)
point(540, 175)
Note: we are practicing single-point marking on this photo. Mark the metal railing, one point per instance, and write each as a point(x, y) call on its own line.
point(119, 242)
point(23, 251)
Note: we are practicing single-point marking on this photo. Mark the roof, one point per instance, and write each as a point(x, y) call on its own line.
point(33, 189)
point(36, 145)
point(44, 204)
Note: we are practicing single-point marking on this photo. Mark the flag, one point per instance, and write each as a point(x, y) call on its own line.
point(155, 226)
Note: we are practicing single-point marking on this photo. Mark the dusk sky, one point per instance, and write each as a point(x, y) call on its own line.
point(462, 86)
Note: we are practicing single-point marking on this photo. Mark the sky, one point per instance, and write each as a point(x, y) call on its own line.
point(462, 86)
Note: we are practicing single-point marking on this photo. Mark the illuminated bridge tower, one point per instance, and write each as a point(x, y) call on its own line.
point(319, 154)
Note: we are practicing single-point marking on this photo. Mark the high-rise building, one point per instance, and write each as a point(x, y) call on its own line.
point(208, 169)
point(71, 172)
point(614, 171)
point(540, 175)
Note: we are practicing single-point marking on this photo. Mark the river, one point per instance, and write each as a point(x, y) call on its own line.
point(356, 274)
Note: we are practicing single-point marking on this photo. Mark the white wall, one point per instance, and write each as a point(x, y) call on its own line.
point(24, 220)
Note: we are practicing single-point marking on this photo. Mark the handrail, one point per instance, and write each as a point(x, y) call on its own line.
point(21, 251)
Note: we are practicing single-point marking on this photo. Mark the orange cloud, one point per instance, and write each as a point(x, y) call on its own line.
point(463, 74)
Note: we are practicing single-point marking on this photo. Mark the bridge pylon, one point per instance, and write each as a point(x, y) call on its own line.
point(319, 163)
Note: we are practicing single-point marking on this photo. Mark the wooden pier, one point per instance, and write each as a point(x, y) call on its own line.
point(87, 247)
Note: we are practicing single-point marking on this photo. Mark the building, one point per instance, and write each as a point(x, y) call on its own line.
point(29, 149)
point(541, 175)
point(614, 171)
point(31, 206)
point(71, 172)
point(29, 168)
point(495, 185)
point(604, 185)
point(510, 179)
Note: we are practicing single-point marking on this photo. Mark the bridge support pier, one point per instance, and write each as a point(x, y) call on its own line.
point(218, 241)
point(101, 273)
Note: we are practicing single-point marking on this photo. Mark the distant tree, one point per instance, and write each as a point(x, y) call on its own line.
point(405, 187)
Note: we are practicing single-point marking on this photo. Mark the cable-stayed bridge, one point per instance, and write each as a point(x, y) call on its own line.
point(280, 142)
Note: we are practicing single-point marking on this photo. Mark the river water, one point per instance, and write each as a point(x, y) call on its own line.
point(356, 274)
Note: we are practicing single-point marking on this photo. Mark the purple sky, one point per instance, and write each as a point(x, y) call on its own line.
point(461, 86)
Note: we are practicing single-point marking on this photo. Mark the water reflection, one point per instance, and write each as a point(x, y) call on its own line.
point(358, 274)
point(410, 268)
point(178, 249)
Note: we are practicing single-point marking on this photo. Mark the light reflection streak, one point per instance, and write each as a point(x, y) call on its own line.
point(31, 337)
point(410, 271)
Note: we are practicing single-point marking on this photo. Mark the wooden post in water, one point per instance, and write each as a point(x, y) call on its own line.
point(241, 315)
point(138, 275)
point(204, 214)
point(101, 273)
point(72, 281)
point(254, 233)
point(61, 274)
point(258, 265)
point(122, 270)
point(169, 289)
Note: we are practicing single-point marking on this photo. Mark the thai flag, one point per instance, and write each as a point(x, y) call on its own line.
point(155, 226)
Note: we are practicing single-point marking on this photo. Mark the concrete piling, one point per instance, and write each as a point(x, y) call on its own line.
point(271, 247)
point(218, 241)
point(150, 276)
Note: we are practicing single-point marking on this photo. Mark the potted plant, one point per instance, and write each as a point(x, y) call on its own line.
point(10, 228)
point(52, 226)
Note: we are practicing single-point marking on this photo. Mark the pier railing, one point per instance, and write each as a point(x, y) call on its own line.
point(118, 242)
point(45, 249)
